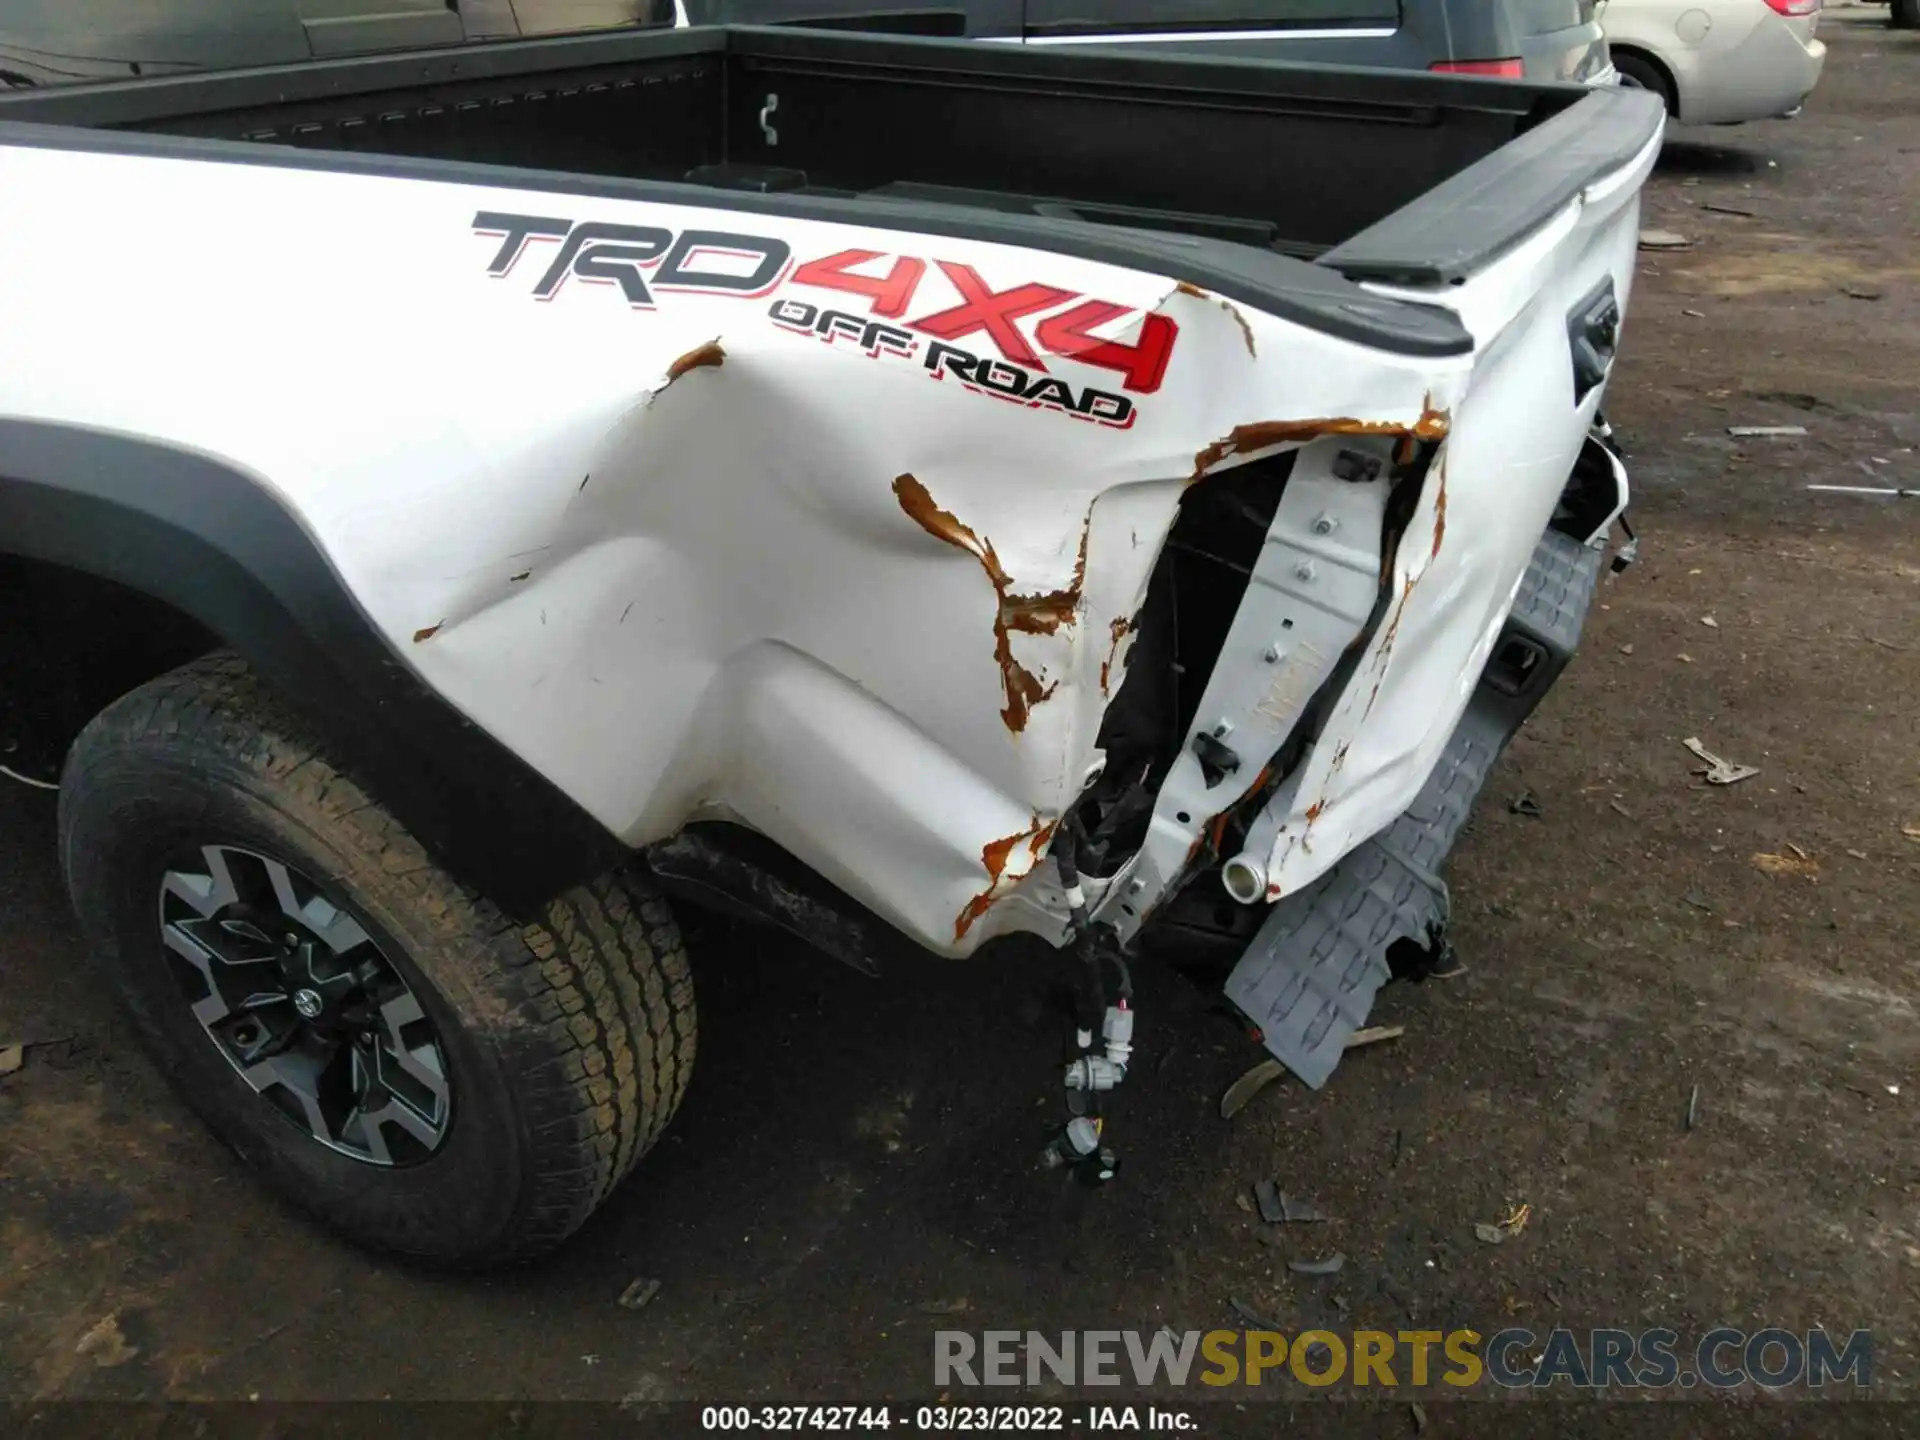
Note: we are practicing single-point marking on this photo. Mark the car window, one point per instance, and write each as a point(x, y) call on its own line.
point(1095, 17)
point(58, 42)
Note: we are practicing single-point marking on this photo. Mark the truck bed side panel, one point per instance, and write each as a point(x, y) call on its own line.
point(636, 507)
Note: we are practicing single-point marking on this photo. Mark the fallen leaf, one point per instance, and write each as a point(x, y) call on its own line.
point(1801, 865)
point(1258, 1077)
point(106, 1344)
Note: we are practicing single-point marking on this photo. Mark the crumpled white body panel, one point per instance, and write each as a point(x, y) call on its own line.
point(696, 560)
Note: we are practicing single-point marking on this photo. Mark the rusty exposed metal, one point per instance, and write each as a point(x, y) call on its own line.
point(428, 632)
point(1432, 424)
point(1039, 614)
point(1440, 509)
point(1118, 629)
point(1387, 639)
point(995, 856)
point(516, 579)
point(701, 357)
point(1246, 330)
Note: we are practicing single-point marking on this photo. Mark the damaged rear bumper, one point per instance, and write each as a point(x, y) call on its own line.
point(1308, 978)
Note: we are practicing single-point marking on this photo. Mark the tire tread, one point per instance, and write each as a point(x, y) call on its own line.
point(596, 1007)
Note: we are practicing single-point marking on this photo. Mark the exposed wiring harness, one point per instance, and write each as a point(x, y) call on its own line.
point(1099, 1067)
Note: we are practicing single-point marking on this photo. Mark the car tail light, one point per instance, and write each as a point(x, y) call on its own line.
point(1794, 7)
point(1514, 69)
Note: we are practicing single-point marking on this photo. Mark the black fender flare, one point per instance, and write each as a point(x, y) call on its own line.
point(216, 544)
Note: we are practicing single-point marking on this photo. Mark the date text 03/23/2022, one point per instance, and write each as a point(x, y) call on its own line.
point(940, 1419)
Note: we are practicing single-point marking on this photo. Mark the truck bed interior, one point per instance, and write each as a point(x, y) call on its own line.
point(1289, 159)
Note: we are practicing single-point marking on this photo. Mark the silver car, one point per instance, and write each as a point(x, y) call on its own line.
point(1719, 62)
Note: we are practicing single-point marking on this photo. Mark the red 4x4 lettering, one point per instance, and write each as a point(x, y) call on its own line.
point(890, 295)
point(983, 308)
point(1141, 365)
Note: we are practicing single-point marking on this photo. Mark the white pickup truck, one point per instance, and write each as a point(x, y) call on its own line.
point(906, 491)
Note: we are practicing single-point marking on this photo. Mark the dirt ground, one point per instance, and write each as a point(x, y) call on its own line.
point(855, 1156)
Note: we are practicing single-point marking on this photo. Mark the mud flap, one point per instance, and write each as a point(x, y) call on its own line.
point(1308, 978)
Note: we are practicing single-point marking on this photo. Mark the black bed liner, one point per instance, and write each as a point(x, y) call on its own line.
point(1278, 185)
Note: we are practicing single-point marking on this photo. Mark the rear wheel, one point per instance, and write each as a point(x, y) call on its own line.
point(386, 1048)
point(1640, 73)
point(1905, 15)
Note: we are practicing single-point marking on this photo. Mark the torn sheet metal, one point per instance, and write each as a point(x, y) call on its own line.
point(640, 521)
point(1491, 489)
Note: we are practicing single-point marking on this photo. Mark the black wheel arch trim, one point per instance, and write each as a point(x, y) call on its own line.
point(201, 535)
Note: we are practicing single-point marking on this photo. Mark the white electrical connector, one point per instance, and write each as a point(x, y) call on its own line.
point(1118, 1033)
point(1104, 1072)
point(1094, 1072)
point(1079, 1140)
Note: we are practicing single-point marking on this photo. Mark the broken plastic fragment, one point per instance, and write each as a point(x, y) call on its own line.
point(1268, 1198)
point(1332, 1265)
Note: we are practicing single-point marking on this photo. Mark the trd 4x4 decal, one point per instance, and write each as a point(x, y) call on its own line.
point(983, 375)
point(646, 260)
point(619, 254)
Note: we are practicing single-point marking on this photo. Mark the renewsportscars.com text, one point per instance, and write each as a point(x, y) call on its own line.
point(1513, 1358)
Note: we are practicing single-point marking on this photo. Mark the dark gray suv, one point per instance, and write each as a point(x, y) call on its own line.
point(46, 42)
point(1537, 39)
point(49, 41)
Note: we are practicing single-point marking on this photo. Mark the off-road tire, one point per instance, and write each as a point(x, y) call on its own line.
point(568, 1042)
point(1904, 15)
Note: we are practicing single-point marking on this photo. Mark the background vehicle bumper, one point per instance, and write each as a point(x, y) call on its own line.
point(1769, 73)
